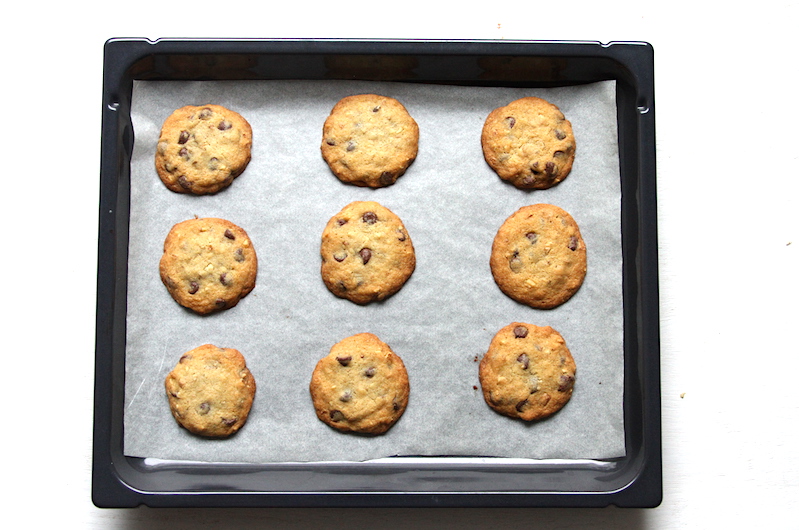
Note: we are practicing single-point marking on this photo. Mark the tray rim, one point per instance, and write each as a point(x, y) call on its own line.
point(111, 469)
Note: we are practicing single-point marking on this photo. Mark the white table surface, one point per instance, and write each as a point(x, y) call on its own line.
point(727, 206)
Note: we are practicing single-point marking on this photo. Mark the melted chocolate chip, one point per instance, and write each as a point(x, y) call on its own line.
point(340, 256)
point(184, 137)
point(204, 408)
point(224, 280)
point(193, 287)
point(229, 234)
point(524, 360)
point(510, 121)
point(184, 182)
point(550, 168)
point(344, 361)
point(573, 243)
point(350, 146)
point(346, 396)
point(521, 404)
point(184, 153)
point(224, 125)
point(566, 383)
point(369, 372)
point(220, 303)
point(532, 236)
point(238, 255)
point(229, 421)
point(205, 114)
point(366, 255)
point(520, 332)
point(560, 135)
point(369, 218)
point(336, 415)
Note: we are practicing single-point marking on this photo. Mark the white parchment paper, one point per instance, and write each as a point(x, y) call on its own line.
point(440, 323)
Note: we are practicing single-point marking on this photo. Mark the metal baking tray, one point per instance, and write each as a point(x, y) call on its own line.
point(634, 480)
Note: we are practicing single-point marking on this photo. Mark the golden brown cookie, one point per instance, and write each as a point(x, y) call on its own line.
point(528, 372)
point(208, 264)
point(529, 142)
point(369, 140)
point(202, 149)
point(360, 386)
point(538, 257)
point(210, 391)
point(367, 254)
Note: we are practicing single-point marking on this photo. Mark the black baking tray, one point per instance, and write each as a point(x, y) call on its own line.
point(631, 481)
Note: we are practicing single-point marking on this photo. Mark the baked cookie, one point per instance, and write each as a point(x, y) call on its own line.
point(529, 143)
point(369, 140)
point(361, 386)
point(528, 372)
point(202, 149)
point(538, 257)
point(210, 391)
point(208, 264)
point(367, 254)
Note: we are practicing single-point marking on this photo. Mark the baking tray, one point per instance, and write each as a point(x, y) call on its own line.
point(634, 480)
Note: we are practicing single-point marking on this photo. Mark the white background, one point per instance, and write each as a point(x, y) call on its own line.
point(725, 90)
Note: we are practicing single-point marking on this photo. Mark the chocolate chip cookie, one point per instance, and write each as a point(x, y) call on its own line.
point(369, 140)
point(208, 264)
point(528, 372)
point(529, 143)
point(367, 254)
point(202, 149)
point(210, 391)
point(360, 386)
point(538, 256)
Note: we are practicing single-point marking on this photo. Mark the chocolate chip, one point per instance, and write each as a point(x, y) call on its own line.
point(558, 154)
point(520, 332)
point(336, 416)
point(386, 178)
point(510, 121)
point(213, 163)
point(532, 236)
point(193, 287)
point(369, 372)
point(229, 234)
point(224, 125)
point(238, 255)
point(346, 396)
point(350, 146)
point(185, 358)
point(573, 243)
point(330, 142)
point(340, 256)
point(566, 383)
point(376, 109)
point(184, 137)
point(344, 361)
point(366, 255)
point(205, 114)
point(536, 168)
point(184, 182)
point(396, 406)
point(341, 222)
point(521, 404)
point(229, 421)
point(224, 280)
point(184, 153)
point(560, 135)
point(220, 303)
point(525, 360)
point(204, 408)
point(402, 236)
point(369, 218)
point(550, 168)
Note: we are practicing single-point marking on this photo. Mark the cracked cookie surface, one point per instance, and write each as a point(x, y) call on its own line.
point(211, 391)
point(208, 264)
point(201, 149)
point(367, 253)
point(527, 372)
point(360, 386)
point(369, 140)
point(538, 256)
point(529, 143)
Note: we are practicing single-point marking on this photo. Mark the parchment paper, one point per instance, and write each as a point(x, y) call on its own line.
point(440, 323)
